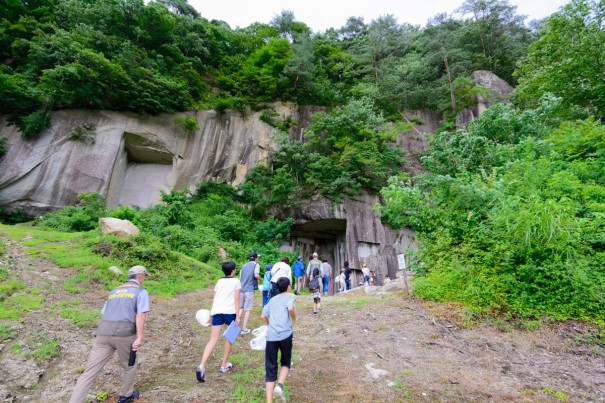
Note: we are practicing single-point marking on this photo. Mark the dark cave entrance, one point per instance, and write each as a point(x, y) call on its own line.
point(326, 237)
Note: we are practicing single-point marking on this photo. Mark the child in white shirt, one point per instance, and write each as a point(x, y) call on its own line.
point(223, 312)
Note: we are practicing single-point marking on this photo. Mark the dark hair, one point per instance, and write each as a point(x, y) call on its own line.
point(346, 264)
point(228, 268)
point(316, 272)
point(285, 260)
point(282, 284)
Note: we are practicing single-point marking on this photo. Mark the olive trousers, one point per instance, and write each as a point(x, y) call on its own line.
point(102, 350)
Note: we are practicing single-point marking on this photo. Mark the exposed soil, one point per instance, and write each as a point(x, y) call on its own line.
point(418, 352)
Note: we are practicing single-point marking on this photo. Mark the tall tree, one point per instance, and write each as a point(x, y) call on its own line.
point(568, 59)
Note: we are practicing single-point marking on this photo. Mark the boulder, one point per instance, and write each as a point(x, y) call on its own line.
point(398, 284)
point(369, 289)
point(354, 291)
point(116, 270)
point(117, 227)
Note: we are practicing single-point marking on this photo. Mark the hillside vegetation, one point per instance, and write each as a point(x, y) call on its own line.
point(163, 56)
point(510, 215)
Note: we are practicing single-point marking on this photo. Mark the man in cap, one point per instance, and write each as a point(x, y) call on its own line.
point(121, 330)
point(250, 272)
point(299, 272)
point(314, 263)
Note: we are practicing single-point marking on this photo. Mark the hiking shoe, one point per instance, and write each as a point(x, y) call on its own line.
point(279, 392)
point(129, 399)
point(200, 374)
point(226, 369)
point(245, 331)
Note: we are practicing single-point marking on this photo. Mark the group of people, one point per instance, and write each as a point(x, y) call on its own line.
point(123, 318)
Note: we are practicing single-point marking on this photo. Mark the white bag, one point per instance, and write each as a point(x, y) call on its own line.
point(202, 316)
point(258, 331)
point(260, 341)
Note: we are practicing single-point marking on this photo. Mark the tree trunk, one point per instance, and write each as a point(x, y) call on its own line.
point(449, 77)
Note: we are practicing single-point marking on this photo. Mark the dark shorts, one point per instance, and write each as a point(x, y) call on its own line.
point(220, 319)
point(285, 346)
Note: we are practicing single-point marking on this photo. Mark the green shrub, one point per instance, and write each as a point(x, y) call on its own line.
point(85, 132)
point(520, 234)
point(83, 217)
point(13, 217)
point(188, 124)
point(2, 146)
point(35, 123)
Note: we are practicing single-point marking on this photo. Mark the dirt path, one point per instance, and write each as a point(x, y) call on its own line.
point(360, 349)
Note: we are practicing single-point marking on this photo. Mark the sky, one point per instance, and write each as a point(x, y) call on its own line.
point(323, 14)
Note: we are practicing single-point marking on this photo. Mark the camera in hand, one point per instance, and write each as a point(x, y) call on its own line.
point(132, 358)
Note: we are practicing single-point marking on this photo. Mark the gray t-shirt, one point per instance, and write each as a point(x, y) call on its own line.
point(280, 324)
point(326, 268)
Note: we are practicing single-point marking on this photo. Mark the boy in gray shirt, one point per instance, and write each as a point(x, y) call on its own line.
point(279, 314)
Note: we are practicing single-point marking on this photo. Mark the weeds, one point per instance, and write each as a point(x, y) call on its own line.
point(398, 384)
point(560, 395)
point(38, 347)
point(7, 332)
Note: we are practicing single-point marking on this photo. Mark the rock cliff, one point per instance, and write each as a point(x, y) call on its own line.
point(130, 159)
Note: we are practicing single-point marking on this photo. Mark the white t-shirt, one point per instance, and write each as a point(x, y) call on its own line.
point(280, 269)
point(224, 295)
point(257, 270)
point(365, 271)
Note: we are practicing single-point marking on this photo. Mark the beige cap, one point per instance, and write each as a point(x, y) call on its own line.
point(135, 270)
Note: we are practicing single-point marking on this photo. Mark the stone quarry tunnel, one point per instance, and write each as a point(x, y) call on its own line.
point(327, 237)
point(142, 169)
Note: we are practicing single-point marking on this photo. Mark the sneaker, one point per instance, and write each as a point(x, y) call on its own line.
point(226, 369)
point(314, 312)
point(200, 374)
point(129, 399)
point(245, 331)
point(279, 392)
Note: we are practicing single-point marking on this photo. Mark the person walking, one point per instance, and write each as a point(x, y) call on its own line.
point(327, 273)
point(366, 274)
point(313, 264)
point(280, 316)
point(299, 272)
point(315, 289)
point(267, 284)
point(347, 270)
point(279, 270)
point(121, 330)
point(342, 281)
point(224, 311)
point(250, 272)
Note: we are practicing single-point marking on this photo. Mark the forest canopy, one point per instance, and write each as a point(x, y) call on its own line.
point(163, 56)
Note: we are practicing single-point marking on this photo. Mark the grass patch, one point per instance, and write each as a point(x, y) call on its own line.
point(17, 304)
point(82, 319)
point(91, 254)
point(39, 347)
point(250, 380)
point(7, 332)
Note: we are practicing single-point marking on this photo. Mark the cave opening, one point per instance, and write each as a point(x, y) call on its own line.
point(326, 237)
point(141, 171)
